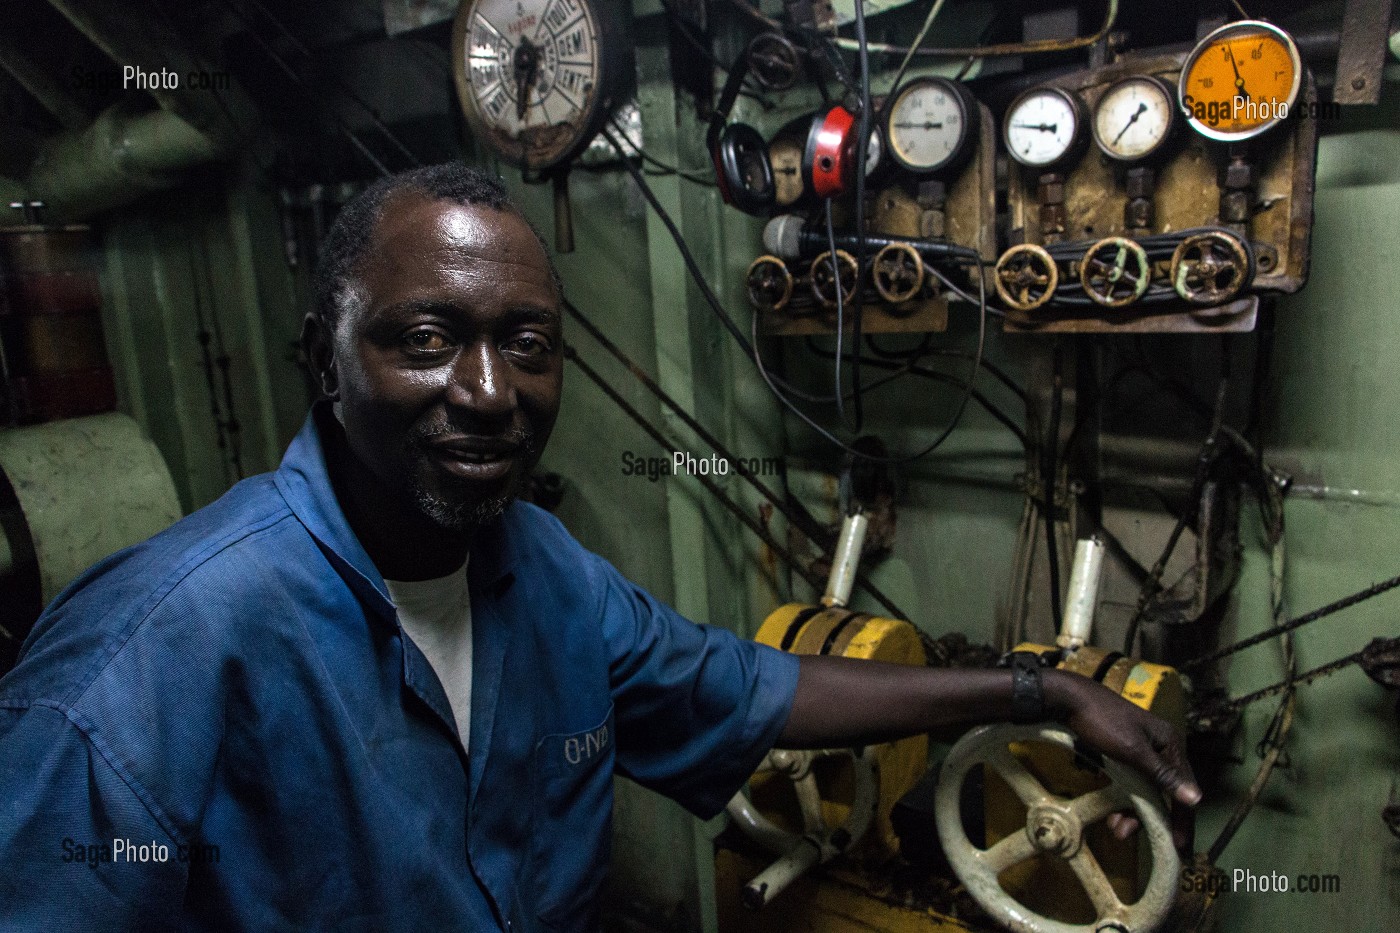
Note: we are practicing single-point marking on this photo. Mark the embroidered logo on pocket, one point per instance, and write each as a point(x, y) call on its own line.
point(581, 748)
point(575, 752)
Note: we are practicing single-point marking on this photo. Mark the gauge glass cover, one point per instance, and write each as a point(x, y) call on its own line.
point(1240, 81)
point(1042, 127)
point(927, 125)
point(1134, 118)
point(785, 155)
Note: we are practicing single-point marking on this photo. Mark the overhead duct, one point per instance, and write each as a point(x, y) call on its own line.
point(127, 151)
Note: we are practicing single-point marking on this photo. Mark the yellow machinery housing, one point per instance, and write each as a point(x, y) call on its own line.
point(854, 892)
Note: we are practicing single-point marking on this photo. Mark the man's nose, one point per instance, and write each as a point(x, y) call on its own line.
point(480, 382)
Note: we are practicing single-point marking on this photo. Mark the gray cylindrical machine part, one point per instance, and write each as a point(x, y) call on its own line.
point(87, 487)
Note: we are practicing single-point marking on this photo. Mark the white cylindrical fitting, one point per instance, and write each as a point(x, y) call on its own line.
point(1083, 594)
point(846, 560)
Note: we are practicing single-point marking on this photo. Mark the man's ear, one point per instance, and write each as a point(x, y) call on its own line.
point(317, 344)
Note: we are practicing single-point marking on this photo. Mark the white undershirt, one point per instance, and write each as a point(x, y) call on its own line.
point(437, 616)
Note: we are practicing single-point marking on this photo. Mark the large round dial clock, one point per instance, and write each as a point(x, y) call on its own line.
point(536, 78)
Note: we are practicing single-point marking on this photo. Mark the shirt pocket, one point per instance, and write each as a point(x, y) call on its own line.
point(572, 839)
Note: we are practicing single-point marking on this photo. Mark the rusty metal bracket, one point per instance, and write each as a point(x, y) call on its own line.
point(1361, 57)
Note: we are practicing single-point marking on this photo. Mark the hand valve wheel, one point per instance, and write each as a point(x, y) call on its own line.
point(1026, 277)
point(817, 843)
point(898, 271)
point(1211, 268)
point(1054, 829)
point(825, 278)
point(1115, 272)
point(768, 283)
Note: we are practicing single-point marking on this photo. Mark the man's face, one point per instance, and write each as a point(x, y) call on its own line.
point(450, 367)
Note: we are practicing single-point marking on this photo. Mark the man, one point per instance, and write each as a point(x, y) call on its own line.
point(371, 691)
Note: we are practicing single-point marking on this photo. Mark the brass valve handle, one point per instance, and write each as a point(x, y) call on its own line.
point(768, 283)
point(1115, 272)
point(898, 271)
point(1211, 268)
point(824, 280)
point(1026, 277)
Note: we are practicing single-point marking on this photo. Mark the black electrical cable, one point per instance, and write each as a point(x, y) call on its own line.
point(904, 458)
point(685, 27)
point(1210, 450)
point(796, 516)
point(316, 99)
point(1049, 481)
point(840, 316)
point(686, 256)
point(339, 85)
point(749, 521)
point(739, 511)
point(1327, 610)
point(862, 154)
point(691, 175)
point(910, 367)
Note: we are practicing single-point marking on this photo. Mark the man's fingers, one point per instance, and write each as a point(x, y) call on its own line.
point(1172, 771)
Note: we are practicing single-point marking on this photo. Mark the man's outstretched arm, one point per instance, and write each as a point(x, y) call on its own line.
point(843, 701)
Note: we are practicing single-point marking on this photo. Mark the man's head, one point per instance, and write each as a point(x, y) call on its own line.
point(438, 336)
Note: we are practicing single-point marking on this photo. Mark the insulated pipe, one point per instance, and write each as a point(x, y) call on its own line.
point(846, 560)
point(1083, 594)
point(119, 158)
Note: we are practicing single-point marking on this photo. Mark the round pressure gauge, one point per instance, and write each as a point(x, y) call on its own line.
point(1044, 127)
point(1134, 118)
point(536, 78)
point(785, 157)
point(1240, 81)
point(930, 124)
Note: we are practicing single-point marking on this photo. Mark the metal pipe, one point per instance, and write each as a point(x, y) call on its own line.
point(846, 560)
point(1083, 594)
point(119, 158)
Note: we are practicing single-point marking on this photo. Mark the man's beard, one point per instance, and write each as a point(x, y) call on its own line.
point(470, 512)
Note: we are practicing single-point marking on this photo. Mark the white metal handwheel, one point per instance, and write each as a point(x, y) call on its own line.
point(817, 843)
point(1055, 827)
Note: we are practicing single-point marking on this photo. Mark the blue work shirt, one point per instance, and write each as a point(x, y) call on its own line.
point(226, 727)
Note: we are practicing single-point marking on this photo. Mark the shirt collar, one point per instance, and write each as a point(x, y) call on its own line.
point(304, 482)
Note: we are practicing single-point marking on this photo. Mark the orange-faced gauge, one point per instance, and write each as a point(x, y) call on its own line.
point(1240, 80)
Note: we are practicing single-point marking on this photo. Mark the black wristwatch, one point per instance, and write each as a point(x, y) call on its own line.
point(1027, 687)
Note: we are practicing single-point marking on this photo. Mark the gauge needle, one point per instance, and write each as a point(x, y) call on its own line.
point(527, 69)
point(1239, 81)
point(920, 126)
point(1142, 108)
point(1043, 127)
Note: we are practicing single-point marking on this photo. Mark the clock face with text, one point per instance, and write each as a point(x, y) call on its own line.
point(536, 77)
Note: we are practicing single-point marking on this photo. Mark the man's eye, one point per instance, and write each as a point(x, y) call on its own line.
point(425, 340)
point(531, 345)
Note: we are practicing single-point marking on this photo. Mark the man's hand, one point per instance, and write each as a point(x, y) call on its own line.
point(843, 702)
point(1125, 732)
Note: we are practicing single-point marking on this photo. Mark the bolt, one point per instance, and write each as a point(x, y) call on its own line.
point(1358, 83)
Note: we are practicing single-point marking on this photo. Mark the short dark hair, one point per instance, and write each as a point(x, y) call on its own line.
point(353, 228)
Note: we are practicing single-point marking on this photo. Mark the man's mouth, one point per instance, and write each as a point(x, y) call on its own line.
point(476, 458)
